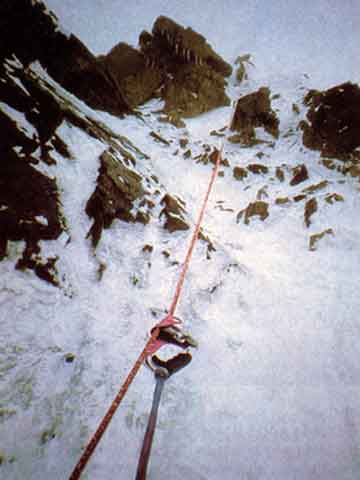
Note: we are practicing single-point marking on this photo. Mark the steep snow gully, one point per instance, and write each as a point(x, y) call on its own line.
point(273, 390)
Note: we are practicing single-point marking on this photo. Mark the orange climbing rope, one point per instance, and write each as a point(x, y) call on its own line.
point(153, 344)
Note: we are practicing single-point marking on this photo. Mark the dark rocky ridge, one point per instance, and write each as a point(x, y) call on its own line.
point(29, 201)
point(29, 210)
point(30, 32)
point(189, 45)
point(31, 110)
point(173, 63)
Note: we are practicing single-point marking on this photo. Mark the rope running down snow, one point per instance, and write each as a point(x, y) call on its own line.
point(198, 224)
point(91, 446)
point(149, 347)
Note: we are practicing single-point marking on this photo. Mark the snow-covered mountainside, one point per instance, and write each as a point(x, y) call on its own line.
point(97, 206)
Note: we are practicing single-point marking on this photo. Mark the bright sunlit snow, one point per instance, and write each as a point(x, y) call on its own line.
point(273, 390)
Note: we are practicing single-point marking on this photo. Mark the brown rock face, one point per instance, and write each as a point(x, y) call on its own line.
point(316, 187)
point(311, 207)
point(257, 168)
point(29, 211)
point(80, 73)
point(31, 33)
point(194, 90)
point(254, 110)
point(333, 125)
point(279, 174)
point(189, 45)
point(300, 174)
point(282, 200)
point(333, 197)
point(192, 73)
point(240, 173)
point(130, 71)
point(196, 71)
point(29, 205)
point(174, 213)
point(258, 208)
point(314, 239)
point(211, 156)
point(173, 63)
point(117, 189)
point(29, 200)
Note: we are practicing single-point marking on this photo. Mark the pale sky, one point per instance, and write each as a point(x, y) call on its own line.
point(297, 35)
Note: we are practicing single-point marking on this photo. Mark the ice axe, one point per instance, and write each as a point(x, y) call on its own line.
point(163, 369)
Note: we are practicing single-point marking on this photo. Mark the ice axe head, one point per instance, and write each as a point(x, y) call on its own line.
point(172, 365)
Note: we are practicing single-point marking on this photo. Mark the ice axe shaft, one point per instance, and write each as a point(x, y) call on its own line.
point(162, 370)
point(160, 376)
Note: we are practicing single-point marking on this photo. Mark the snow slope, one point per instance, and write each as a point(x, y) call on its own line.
point(273, 390)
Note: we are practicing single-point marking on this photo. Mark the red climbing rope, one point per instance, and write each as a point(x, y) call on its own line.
point(195, 236)
point(89, 450)
point(153, 344)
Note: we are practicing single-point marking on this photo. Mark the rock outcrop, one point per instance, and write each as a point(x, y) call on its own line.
point(30, 31)
point(31, 111)
point(242, 61)
point(333, 125)
point(240, 173)
point(188, 45)
point(252, 111)
point(131, 72)
point(174, 210)
point(173, 63)
point(118, 187)
point(300, 174)
point(29, 211)
point(254, 209)
point(195, 89)
point(30, 207)
point(33, 107)
point(311, 207)
point(314, 239)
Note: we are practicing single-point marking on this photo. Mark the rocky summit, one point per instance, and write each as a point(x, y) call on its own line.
point(173, 63)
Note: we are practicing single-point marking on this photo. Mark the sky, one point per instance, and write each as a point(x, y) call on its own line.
point(293, 35)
